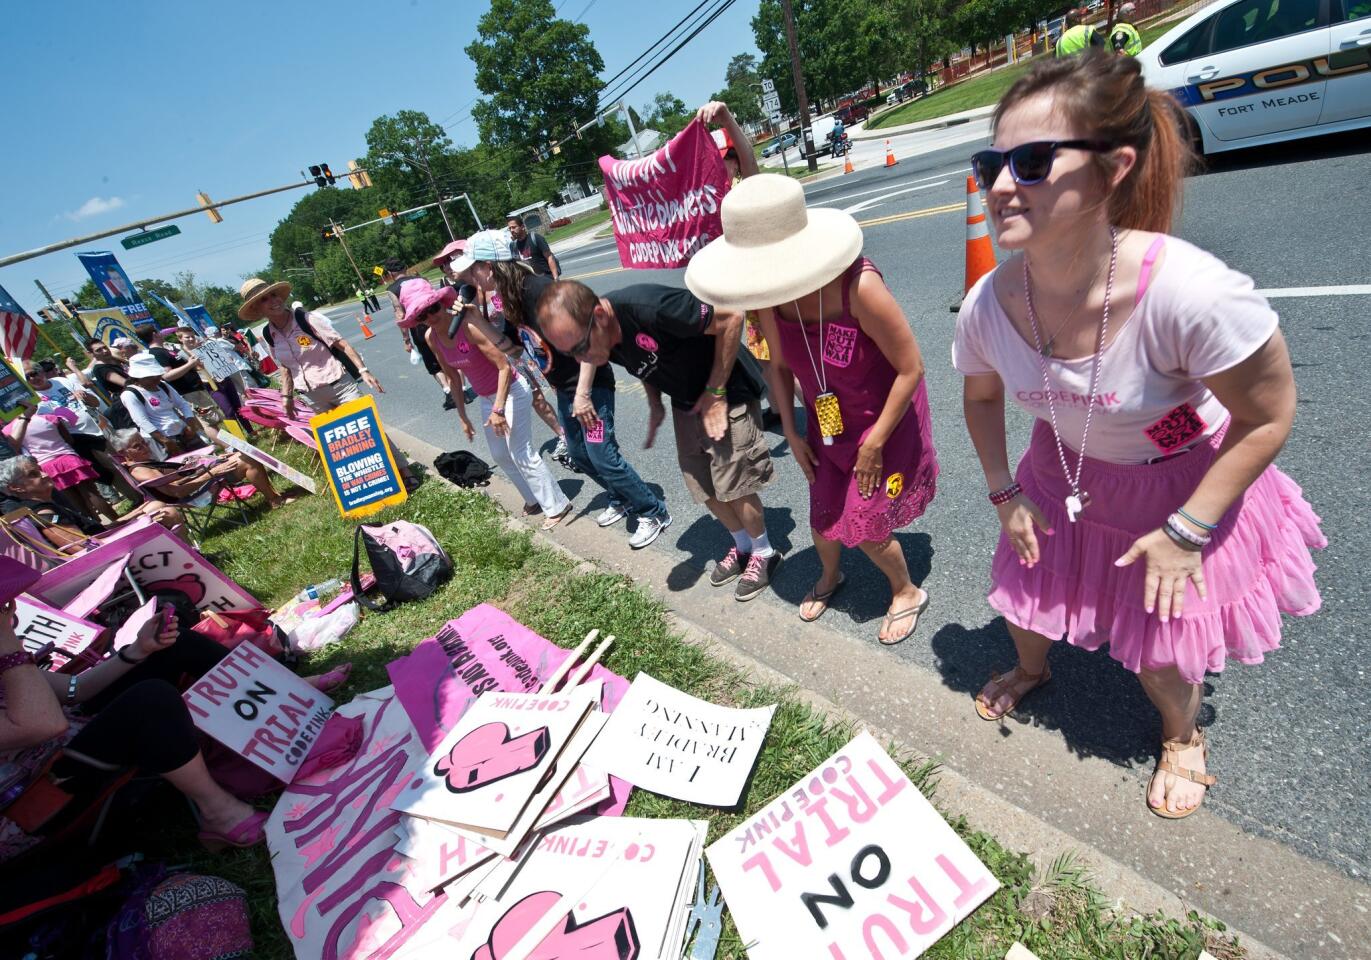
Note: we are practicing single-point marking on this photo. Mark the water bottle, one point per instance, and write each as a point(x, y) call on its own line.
point(414, 357)
point(319, 591)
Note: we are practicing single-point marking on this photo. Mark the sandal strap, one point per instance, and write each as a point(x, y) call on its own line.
point(1194, 776)
point(1002, 684)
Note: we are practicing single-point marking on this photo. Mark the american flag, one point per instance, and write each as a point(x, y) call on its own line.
point(18, 335)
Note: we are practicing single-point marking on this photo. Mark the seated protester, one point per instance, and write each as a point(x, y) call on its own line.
point(126, 712)
point(223, 365)
point(23, 485)
point(88, 429)
point(179, 481)
point(182, 372)
point(47, 439)
point(157, 410)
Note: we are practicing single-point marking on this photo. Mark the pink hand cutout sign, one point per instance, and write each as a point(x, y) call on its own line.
point(609, 937)
point(488, 754)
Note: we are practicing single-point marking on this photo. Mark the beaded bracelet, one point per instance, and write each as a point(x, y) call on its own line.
point(1211, 527)
point(1179, 529)
point(1006, 494)
point(17, 659)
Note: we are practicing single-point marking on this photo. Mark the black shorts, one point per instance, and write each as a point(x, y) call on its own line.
point(431, 363)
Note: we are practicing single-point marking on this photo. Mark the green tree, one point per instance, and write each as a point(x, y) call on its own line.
point(668, 114)
point(541, 78)
point(742, 90)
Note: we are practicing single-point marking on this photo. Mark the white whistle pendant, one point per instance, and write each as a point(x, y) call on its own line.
point(1073, 507)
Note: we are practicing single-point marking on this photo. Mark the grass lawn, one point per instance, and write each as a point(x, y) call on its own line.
point(1058, 914)
point(577, 226)
point(981, 90)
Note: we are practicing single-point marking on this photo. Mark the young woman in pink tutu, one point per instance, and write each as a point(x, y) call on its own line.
point(1147, 513)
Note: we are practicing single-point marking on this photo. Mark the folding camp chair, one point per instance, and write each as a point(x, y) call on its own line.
point(201, 505)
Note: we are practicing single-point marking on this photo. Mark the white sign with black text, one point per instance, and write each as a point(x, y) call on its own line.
point(671, 743)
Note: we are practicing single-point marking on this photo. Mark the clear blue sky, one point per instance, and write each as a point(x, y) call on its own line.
point(117, 112)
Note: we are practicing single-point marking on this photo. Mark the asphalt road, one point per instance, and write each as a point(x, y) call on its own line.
point(1288, 737)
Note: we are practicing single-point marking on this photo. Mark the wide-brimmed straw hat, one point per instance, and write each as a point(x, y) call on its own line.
point(144, 365)
point(418, 295)
point(254, 290)
point(774, 249)
point(448, 252)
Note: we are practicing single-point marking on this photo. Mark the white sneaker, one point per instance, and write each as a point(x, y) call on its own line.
point(612, 514)
point(648, 530)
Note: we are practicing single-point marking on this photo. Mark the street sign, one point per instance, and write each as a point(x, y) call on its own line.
point(150, 236)
point(774, 117)
point(771, 102)
point(380, 272)
point(768, 86)
point(416, 214)
point(384, 213)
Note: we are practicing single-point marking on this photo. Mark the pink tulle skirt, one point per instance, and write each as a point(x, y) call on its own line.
point(1257, 567)
point(67, 470)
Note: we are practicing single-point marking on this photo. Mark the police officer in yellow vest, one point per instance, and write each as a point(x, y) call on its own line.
point(1077, 37)
point(1124, 39)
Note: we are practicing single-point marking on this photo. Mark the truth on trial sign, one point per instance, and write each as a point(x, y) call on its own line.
point(259, 709)
point(357, 459)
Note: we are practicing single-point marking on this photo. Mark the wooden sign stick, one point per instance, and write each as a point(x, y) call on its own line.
point(551, 683)
point(584, 669)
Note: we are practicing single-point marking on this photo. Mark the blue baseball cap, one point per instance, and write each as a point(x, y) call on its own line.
point(489, 245)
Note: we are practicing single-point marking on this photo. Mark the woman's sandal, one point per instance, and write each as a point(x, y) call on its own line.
point(532, 509)
point(912, 614)
point(247, 833)
point(1008, 683)
point(551, 522)
point(333, 679)
point(822, 598)
point(1170, 763)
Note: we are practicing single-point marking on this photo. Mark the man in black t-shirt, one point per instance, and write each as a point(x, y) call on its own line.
point(587, 419)
point(533, 250)
point(679, 346)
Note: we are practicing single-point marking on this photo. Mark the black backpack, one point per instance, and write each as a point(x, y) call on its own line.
point(302, 321)
point(463, 468)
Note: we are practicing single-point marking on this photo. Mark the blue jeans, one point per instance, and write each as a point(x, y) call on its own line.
point(602, 461)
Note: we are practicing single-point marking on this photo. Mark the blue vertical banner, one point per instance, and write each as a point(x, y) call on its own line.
point(114, 285)
point(179, 313)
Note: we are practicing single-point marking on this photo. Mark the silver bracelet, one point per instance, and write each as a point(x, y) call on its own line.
point(71, 688)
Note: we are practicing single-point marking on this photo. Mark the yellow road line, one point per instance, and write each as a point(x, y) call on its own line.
point(913, 214)
point(876, 222)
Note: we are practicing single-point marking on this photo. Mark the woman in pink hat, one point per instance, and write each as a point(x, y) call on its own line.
point(1147, 513)
point(467, 352)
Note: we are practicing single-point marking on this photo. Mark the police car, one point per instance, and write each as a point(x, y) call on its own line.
point(1261, 71)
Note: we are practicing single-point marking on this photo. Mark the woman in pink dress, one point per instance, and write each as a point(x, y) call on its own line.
point(831, 322)
point(1147, 513)
point(44, 437)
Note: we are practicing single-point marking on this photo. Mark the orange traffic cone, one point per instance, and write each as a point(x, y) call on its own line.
point(980, 254)
point(366, 327)
point(890, 160)
point(847, 163)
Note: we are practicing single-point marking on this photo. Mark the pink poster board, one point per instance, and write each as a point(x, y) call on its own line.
point(485, 649)
point(158, 559)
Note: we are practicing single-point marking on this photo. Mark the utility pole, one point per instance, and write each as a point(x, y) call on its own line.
point(338, 232)
point(437, 194)
point(797, 74)
point(632, 131)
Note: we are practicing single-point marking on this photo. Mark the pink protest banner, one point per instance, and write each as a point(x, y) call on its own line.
point(158, 559)
point(665, 206)
point(485, 649)
point(260, 710)
point(853, 861)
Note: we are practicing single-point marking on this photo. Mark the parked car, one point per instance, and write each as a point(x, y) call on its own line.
point(1251, 72)
point(903, 92)
point(784, 142)
point(851, 113)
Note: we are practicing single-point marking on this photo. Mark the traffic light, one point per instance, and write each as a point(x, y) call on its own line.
point(323, 176)
point(358, 177)
point(326, 233)
point(68, 307)
point(328, 174)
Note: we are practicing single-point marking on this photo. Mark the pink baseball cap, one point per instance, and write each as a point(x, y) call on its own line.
point(450, 251)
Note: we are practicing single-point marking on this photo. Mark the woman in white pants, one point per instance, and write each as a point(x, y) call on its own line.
point(506, 402)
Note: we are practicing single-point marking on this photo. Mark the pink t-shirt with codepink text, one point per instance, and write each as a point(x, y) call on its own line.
point(1197, 318)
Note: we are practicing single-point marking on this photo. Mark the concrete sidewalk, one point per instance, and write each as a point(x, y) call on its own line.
point(1033, 794)
point(937, 123)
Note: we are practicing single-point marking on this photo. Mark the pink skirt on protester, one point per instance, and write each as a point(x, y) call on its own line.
point(1257, 567)
point(67, 470)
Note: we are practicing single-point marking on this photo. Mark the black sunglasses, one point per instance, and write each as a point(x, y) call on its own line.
point(580, 347)
point(1029, 163)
